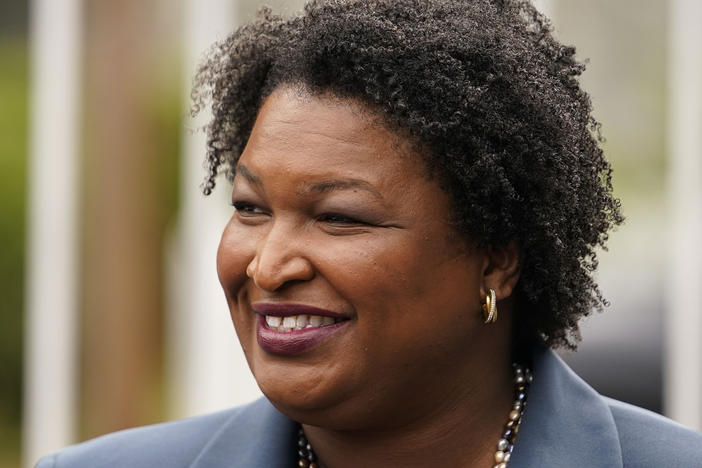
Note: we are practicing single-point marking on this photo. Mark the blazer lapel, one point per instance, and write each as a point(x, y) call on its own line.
point(565, 422)
point(255, 436)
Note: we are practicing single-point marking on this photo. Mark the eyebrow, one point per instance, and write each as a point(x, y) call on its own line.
point(325, 186)
point(246, 174)
point(343, 184)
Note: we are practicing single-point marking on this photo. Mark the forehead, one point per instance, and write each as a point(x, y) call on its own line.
point(322, 133)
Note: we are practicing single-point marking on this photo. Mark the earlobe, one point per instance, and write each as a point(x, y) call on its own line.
point(503, 269)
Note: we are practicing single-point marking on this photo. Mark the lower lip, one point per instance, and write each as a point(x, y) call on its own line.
point(293, 342)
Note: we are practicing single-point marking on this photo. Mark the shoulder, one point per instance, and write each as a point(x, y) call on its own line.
point(171, 444)
point(567, 423)
point(649, 439)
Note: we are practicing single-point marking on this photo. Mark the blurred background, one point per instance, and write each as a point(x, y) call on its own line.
point(110, 314)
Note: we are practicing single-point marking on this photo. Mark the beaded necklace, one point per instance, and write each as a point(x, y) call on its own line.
point(505, 446)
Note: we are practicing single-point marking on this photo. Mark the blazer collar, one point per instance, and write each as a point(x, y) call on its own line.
point(565, 423)
point(256, 435)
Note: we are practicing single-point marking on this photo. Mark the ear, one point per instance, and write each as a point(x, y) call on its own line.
point(502, 270)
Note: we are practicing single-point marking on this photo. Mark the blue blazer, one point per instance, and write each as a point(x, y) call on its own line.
point(565, 425)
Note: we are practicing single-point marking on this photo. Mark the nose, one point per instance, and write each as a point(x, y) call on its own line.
point(279, 260)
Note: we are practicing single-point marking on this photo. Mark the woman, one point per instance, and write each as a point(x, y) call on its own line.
point(418, 194)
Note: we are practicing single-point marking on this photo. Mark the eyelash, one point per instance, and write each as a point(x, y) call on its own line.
point(247, 209)
point(339, 219)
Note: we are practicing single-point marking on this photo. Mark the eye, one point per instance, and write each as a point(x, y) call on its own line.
point(339, 219)
point(247, 209)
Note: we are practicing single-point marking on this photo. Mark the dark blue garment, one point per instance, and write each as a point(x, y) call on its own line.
point(566, 424)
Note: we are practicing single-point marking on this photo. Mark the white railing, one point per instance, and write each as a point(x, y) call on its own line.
point(206, 367)
point(683, 317)
point(51, 325)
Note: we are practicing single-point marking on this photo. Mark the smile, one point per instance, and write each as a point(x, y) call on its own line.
point(298, 322)
point(289, 329)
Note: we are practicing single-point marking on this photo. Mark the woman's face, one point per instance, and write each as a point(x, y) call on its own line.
point(338, 228)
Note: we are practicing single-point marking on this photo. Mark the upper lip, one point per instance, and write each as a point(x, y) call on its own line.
point(285, 310)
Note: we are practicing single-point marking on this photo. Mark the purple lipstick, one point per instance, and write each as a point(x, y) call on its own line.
point(289, 329)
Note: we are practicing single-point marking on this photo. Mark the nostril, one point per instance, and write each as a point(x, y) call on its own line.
point(278, 261)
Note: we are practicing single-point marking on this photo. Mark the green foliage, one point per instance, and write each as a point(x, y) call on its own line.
point(13, 167)
point(166, 113)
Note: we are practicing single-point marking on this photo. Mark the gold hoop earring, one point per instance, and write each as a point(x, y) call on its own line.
point(490, 307)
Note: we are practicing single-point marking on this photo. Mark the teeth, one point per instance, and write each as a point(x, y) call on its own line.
point(297, 322)
point(272, 321)
point(302, 321)
point(315, 320)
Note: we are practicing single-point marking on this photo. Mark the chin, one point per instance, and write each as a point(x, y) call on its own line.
point(304, 406)
point(337, 416)
point(304, 398)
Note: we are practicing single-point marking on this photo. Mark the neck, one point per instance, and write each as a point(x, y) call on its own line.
point(461, 430)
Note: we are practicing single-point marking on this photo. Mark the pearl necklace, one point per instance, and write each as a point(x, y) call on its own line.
point(505, 446)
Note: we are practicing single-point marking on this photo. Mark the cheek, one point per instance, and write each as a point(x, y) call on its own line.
point(235, 252)
point(361, 268)
point(233, 256)
point(406, 269)
point(410, 286)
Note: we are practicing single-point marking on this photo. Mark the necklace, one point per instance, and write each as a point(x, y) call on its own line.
point(503, 454)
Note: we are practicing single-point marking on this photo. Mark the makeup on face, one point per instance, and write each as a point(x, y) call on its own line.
point(338, 265)
point(288, 329)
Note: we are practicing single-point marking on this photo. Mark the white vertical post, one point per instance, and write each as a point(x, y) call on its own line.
point(683, 345)
point(206, 365)
point(52, 254)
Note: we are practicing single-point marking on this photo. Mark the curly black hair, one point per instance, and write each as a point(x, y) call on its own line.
point(485, 87)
